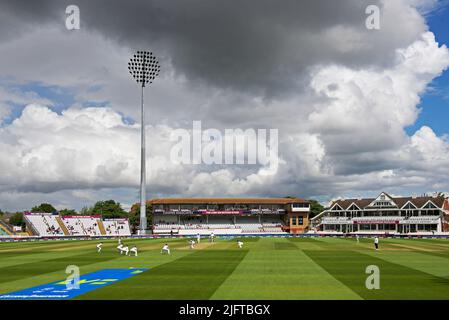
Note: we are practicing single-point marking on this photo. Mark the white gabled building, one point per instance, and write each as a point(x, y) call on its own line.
point(387, 214)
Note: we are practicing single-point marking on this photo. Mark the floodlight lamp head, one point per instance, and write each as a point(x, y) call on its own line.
point(144, 67)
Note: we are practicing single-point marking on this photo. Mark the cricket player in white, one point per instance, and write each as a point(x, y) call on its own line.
point(125, 249)
point(99, 247)
point(357, 237)
point(376, 242)
point(119, 248)
point(198, 238)
point(240, 244)
point(212, 236)
point(192, 244)
point(133, 250)
point(166, 249)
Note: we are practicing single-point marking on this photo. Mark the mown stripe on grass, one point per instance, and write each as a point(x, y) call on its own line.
point(396, 281)
point(439, 254)
point(195, 276)
point(280, 274)
point(26, 270)
point(284, 246)
point(26, 246)
point(35, 255)
point(418, 260)
point(146, 259)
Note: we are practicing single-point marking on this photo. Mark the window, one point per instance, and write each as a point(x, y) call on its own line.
point(429, 205)
point(409, 206)
point(300, 221)
point(337, 207)
point(300, 205)
point(382, 204)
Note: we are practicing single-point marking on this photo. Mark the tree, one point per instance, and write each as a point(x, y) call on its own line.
point(67, 212)
point(315, 208)
point(44, 207)
point(109, 209)
point(17, 219)
point(134, 215)
point(85, 211)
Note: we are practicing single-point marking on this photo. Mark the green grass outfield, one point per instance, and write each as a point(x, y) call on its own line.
point(266, 268)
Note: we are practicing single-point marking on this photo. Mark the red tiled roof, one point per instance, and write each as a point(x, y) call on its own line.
point(419, 202)
point(227, 201)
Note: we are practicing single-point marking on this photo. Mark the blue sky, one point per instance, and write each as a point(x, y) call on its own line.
point(435, 103)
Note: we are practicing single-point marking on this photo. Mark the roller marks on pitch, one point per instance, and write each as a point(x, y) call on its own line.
point(396, 281)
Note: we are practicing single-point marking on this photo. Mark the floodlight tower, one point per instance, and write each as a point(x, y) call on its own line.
point(144, 68)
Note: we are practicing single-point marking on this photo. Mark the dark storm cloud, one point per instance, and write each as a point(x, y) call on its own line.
point(233, 54)
point(259, 46)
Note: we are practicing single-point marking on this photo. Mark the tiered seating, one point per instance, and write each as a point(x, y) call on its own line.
point(117, 227)
point(84, 225)
point(251, 227)
point(217, 225)
point(91, 226)
point(272, 227)
point(74, 225)
point(249, 224)
point(169, 226)
point(45, 224)
point(221, 226)
point(220, 220)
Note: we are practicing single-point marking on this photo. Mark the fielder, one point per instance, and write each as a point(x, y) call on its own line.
point(119, 248)
point(165, 249)
point(212, 236)
point(99, 247)
point(240, 244)
point(198, 238)
point(133, 250)
point(125, 249)
point(192, 244)
point(376, 242)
